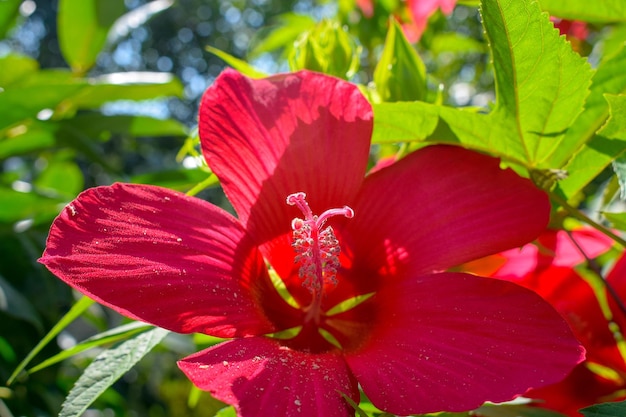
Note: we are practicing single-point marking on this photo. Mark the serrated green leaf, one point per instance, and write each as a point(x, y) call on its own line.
point(83, 26)
point(110, 336)
point(600, 152)
point(238, 64)
point(605, 410)
point(424, 122)
point(609, 78)
point(604, 11)
point(400, 74)
point(77, 309)
point(107, 368)
point(615, 127)
point(541, 83)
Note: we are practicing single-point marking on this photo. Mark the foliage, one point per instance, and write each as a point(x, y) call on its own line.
point(110, 90)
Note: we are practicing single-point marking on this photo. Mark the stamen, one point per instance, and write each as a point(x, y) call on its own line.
point(317, 249)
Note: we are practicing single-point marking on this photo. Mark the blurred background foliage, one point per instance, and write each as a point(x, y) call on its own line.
point(98, 91)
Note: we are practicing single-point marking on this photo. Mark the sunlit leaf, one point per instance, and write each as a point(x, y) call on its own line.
point(595, 156)
point(283, 34)
point(605, 410)
point(609, 78)
point(110, 336)
point(13, 67)
point(226, 412)
point(602, 11)
point(400, 74)
point(77, 309)
point(83, 26)
point(107, 368)
point(61, 178)
point(327, 48)
point(238, 64)
point(541, 83)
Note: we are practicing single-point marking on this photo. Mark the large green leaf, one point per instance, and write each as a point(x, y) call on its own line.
point(605, 410)
point(424, 122)
point(595, 156)
point(107, 368)
point(609, 78)
point(400, 74)
point(601, 11)
point(541, 83)
point(83, 26)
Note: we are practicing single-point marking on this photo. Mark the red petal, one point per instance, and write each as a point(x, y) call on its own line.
point(268, 138)
point(162, 257)
point(439, 207)
point(261, 378)
point(452, 341)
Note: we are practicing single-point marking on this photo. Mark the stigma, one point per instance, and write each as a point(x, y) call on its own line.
point(316, 246)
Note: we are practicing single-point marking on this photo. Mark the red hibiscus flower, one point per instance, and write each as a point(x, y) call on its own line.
point(359, 255)
point(547, 267)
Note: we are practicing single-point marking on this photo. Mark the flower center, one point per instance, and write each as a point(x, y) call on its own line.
point(317, 250)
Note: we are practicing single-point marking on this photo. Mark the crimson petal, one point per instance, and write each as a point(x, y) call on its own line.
point(442, 206)
point(261, 378)
point(268, 138)
point(162, 257)
point(451, 341)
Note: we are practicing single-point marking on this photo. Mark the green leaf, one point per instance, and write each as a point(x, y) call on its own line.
point(107, 368)
point(8, 13)
point(609, 78)
point(227, 412)
point(13, 303)
point(238, 64)
point(603, 11)
point(595, 156)
point(515, 410)
point(605, 410)
point(110, 336)
point(17, 205)
point(617, 219)
point(541, 83)
point(283, 34)
point(181, 179)
point(77, 309)
point(126, 86)
point(83, 26)
point(100, 126)
point(13, 67)
point(62, 178)
point(619, 167)
point(327, 48)
point(424, 122)
point(400, 75)
point(615, 127)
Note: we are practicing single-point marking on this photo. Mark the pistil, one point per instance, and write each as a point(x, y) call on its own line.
point(317, 250)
